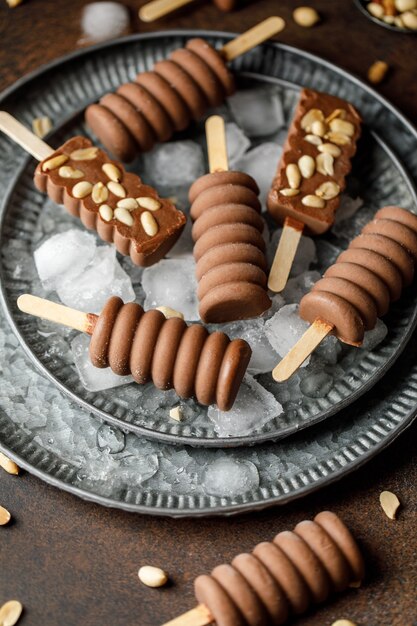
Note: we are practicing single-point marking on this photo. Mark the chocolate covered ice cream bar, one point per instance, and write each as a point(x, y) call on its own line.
point(280, 578)
point(315, 161)
point(359, 287)
point(176, 91)
point(110, 200)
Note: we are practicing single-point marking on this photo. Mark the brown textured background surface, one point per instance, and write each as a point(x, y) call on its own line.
point(71, 562)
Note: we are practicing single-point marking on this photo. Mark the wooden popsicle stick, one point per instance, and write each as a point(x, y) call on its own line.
point(252, 38)
point(158, 8)
point(302, 350)
point(47, 310)
point(216, 144)
point(284, 256)
point(199, 616)
point(24, 137)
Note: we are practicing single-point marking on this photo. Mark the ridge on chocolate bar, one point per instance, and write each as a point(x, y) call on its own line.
point(110, 200)
point(315, 161)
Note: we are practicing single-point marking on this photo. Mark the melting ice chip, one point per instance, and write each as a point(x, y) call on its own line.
point(110, 438)
point(285, 329)
point(296, 288)
point(227, 477)
point(375, 336)
point(64, 256)
point(172, 283)
point(304, 257)
point(253, 408)
point(257, 111)
point(102, 279)
point(237, 142)
point(264, 358)
point(261, 164)
point(93, 378)
point(316, 385)
point(175, 164)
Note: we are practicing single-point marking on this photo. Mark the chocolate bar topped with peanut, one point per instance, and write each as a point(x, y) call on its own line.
point(315, 161)
point(110, 200)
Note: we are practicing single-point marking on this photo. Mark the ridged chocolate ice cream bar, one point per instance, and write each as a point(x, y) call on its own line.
point(111, 201)
point(315, 161)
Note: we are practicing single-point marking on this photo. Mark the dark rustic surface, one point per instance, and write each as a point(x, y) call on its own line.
point(71, 562)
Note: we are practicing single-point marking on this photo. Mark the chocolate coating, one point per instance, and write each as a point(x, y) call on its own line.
point(283, 577)
point(166, 100)
point(169, 353)
point(375, 268)
point(354, 294)
point(229, 247)
point(391, 250)
point(133, 241)
point(315, 220)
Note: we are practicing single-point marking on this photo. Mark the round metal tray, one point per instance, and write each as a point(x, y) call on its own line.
point(62, 90)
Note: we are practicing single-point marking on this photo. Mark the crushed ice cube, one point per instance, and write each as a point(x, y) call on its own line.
point(62, 257)
point(110, 438)
point(329, 350)
point(257, 111)
point(264, 358)
point(253, 408)
point(316, 384)
point(172, 283)
point(94, 378)
point(104, 277)
point(297, 287)
point(304, 257)
point(227, 477)
point(261, 164)
point(375, 336)
point(237, 142)
point(175, 164)
point(285, 328)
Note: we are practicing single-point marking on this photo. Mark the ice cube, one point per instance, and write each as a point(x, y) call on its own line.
point(110, 438)
point(347, 208)
point(104, 20)
point(94, 378)
point(285, 328)
point(175, 164)
point(264, 358)
point(296, 288)
point(227, 477)
point(329, 350)
point(261, 164)
point(257, 111)
point(316, 384)
point(184, 245)
point(237, 143)
point(103, 278)
point(304, 257)
point(172, 283)
point(62, 257)
point(253, 408)
point(375, 336)
point(327, 253)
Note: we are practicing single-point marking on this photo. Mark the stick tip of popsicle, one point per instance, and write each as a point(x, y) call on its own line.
point(276, 23)
point(23, 302)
